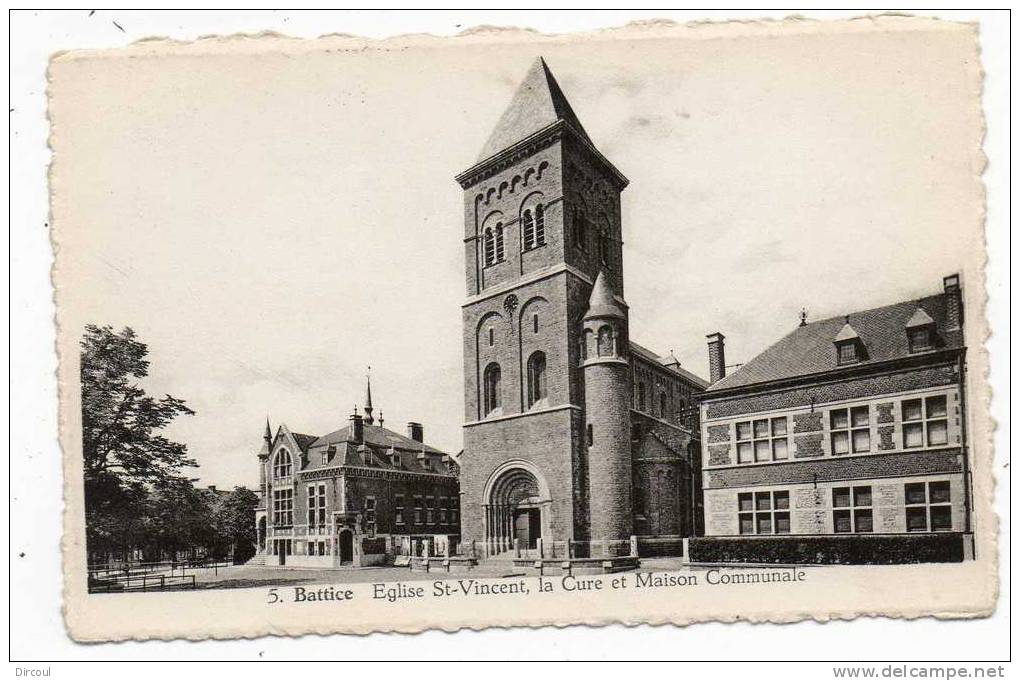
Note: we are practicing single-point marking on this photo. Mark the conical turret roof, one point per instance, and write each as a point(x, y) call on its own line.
point(602, 302)
point(538, 103)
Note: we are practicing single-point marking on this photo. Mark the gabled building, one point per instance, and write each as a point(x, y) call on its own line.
point(854, 425)
point(354, 496)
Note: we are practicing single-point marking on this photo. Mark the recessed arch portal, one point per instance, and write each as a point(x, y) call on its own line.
point(517, 507)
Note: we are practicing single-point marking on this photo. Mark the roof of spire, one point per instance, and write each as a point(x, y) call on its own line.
point(538, 103)
point(602, 302)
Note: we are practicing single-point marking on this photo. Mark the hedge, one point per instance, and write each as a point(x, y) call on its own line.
point(657, 547)
point(943, 547)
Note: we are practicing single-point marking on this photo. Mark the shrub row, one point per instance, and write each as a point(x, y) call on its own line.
point(832, 549)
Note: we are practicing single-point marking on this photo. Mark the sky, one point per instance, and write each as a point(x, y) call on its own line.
point(273, 216)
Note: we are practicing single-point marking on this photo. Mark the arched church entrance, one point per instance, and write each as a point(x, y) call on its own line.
point(517, 506)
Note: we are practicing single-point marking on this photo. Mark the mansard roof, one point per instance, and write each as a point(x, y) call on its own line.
point(810, 349)
point(538, 103)
point(377, 437)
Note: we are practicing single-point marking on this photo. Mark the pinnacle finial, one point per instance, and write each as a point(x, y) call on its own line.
point(368, 396)
point(269, 431)
point(803, 316)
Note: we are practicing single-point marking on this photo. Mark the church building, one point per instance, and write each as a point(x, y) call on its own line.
point(576, 438)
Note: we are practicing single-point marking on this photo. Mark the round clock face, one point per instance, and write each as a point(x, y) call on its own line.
point(510, 303)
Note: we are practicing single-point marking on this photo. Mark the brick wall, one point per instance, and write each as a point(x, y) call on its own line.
point(843, 468)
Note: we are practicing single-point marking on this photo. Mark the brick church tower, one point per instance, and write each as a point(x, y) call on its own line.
point(541, 226)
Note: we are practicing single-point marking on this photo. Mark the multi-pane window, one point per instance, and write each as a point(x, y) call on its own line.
point(539, 225)
point(851, 509)
point(454, 510)
point(534, 228)
point(283, 507)
point(764, 512)
point(325, 457)
point(398, 509)
point(500, 252)
point(847, 353)
point(925, 421)
point(316, 506)
point(919, 339)
point(850, 430)
point(928, 506)
point(430, 518)
point(370, 515)
point(762, 440)
point(417, 510)
point(442, 510)
point(489, 246)
point(282, 464)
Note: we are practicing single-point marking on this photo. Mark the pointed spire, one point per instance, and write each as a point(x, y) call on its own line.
point(368, 397)
point(269, 432)
point(538, 103)
point(602, 303)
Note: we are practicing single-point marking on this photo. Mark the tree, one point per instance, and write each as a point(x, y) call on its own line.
point(234, 519)
point(125, 457)
point(119, 420)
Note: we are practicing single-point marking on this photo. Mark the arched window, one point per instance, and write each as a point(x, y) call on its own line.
point(662, 405)
point(499, 242)
point(539, 225)
point(641, 396)
point(537, 390)
point(282, 464)
point(490, 247)
point(580, 228)
point(493, 399)
point(605, 342)
point(529, 230)
point(604, 247)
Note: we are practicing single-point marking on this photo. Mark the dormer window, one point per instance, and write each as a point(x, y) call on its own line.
point(920, 339)
point(920, 330)
point(849, 347)
point(847, 352)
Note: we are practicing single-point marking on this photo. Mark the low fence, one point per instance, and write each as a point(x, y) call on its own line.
point(122, 583)
point(857, 549)
point(645, 547)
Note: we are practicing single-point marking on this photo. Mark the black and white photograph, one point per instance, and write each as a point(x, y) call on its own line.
point(667, 323)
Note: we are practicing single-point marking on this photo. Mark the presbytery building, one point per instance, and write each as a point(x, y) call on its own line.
point(854, 425)
point(576, 438)
point(356, 496)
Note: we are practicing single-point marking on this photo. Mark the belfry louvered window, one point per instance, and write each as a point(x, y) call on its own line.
point(489, 246)
point(528, 221)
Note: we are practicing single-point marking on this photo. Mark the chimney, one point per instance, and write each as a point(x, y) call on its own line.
point(716, 356)
point(954, 303)
point(357, 429)
point(415, 431)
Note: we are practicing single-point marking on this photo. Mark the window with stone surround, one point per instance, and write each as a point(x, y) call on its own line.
point(398, 509)
point(851, 510)
point(762, 440)
point(316, 506)
point(928, 506)
point(764, 512)
point(925, 421)
point(370, 516)
point(417, 510)
point(537, 387)
point(454, 510)
point(919, 339)
point(430, 518)
point(850, 430)
point(442, 510)
point(283, 507)
point(282, 464)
